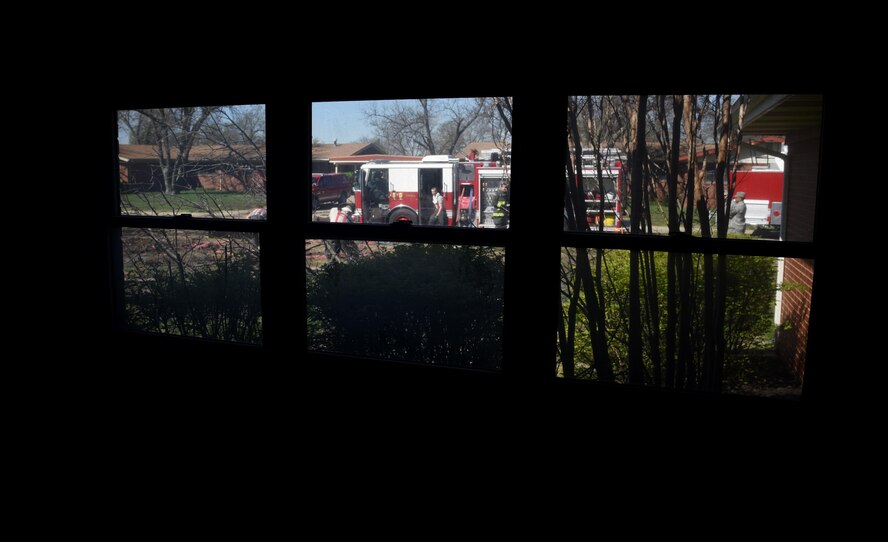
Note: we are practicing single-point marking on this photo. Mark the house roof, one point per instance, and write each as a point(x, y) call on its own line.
point(199, 153)
point(325, 151)
point(773, 114)
point(363, 158)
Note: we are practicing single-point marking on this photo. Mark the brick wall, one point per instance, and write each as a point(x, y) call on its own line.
point(230, 182)
point(792, 335)
point(146, 176)
point(136, 176)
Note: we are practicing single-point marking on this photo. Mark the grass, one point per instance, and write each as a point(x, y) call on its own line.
point(659, 218)
point(189, 201)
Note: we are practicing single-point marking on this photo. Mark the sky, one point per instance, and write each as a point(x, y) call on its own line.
point(342, 121)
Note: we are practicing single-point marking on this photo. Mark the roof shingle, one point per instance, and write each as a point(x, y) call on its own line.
point(198, 153)
point(325, 151)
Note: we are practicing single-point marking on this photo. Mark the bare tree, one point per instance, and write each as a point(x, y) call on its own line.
point(236, 136)
point(138, 127)
point(638, 115)
point(197, 283)
point(236, 125)
point(175, 132)
point(427, 126)
point(499, 119)
point(670, 140)
point(619, 295)
point(575, 213)
point(191, 147)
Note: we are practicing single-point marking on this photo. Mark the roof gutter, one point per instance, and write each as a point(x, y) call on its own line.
point(757, 106)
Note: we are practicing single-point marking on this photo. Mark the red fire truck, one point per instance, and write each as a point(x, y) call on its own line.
point(612, 187)
point(760, 176)
point(388, 192)
point(764, 196)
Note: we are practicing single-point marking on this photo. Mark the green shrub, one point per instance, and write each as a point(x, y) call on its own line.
point(749, 309)
point(217, 301)
point(432, 303)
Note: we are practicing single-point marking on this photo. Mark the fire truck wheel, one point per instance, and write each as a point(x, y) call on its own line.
point(402, 215)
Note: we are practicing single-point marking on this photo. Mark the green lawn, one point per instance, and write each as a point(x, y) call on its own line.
point(189, 201)
point(659, 218)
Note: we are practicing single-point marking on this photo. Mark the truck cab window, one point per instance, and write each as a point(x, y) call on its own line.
point(377, 187)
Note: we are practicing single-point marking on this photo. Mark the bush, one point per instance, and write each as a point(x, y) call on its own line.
point(432, 303)
point(750, 297)
point(218, 301)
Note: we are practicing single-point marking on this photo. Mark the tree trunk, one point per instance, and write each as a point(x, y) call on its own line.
point(677, 109)
point(690, 112)
point(636, 362)
point(169, 180)
point(709, 331)
point(181, 126)
point(721, 213)
point(567, 331)
point(719, 325)
point(594, 303)
point(575, 175)
point(427, 126)
point(723, 199)
point(672, 262)
point(685, 370)
point(653, 313)
point(596, 318)
point(671, 317)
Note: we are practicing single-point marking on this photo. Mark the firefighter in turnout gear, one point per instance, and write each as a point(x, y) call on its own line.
point(341, 248)
point(501, 210)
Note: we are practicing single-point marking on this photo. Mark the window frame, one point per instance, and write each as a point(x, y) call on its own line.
point(532, 243)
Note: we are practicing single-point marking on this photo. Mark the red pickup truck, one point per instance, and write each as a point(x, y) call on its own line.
point(329, 188)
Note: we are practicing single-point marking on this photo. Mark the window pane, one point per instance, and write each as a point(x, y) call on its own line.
point(193, 283)
point(677, 321)
point(764, 187)
point(443, 162)
point(435, 304)
point(202, 161)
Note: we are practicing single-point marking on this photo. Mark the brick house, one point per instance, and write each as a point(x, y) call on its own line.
point(798, 118)
point(323, 155)
point(236, 168)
